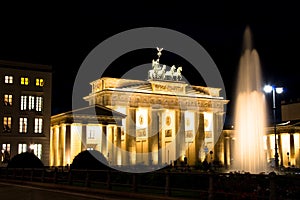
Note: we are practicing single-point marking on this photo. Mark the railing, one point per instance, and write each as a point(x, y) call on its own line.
point(175, 184)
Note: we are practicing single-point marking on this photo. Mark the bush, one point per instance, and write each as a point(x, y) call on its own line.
point(91, 159)
point(25, 160)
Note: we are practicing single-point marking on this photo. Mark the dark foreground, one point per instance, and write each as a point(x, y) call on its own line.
point(11, 191)
point(112, 184)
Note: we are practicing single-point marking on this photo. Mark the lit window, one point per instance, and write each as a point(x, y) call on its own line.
point(22, 148)
point(24, 81)
point(5, 150)
point(23, 102)
point(6, 124)
point(38, 125)
point(8, 79)
point(90, 149)
point(36, 149)
point(5, 147)
point(23, 125)
point(31, 102)
point(39, 82)
point(39, 103)
point(8, 99)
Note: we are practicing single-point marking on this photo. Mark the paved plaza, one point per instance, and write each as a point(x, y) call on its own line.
point(12, 191)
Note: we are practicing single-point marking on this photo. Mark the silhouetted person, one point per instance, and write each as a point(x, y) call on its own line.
point(6, 158)
point(205, 165)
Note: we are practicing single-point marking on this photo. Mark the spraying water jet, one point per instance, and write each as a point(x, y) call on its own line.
point(250, 112)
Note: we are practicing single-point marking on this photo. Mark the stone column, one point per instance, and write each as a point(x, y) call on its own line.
point(200, 135)
point(61, 144)
point(131, 136)
point(297, 158)
point(292, 149)
point(180, 133)
point(159, 137)
point(55, 146)
point(110, 145)
point(280, 149)
point(215, 136)
point(269, 148)
point(52, 159)
point(117, 146)
point(218, 134)
point(68, 145)
point(104, 140)
point(153, 138)
point(232, 148)
point(83, 137)
point(227, 151)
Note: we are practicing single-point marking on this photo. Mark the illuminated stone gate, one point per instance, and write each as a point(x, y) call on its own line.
point(163, 121)
point(171, 116)
point(153, 122)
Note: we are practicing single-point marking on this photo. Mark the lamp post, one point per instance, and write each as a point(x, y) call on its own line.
point(274, 90)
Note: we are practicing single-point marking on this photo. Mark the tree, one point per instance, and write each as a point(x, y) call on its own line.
point(90, 159)
point(25, 160)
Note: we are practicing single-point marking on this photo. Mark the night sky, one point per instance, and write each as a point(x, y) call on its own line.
point(62, 35)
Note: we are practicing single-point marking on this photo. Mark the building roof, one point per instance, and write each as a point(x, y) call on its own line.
point(290, 126)
point(90, 114)
point(98, 109)
point(25, 66)
point(166, 87)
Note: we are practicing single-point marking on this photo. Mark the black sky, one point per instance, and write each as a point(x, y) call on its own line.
point(62, 35)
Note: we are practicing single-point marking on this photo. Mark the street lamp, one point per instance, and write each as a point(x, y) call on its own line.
point(274, 90)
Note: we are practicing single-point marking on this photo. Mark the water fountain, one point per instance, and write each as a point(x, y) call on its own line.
point(250, 112)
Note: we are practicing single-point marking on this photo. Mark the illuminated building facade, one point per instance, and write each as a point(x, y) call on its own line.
point(288, 139)
point(157, 121)
point(82, 129)
point(25, 109)
point(289, 135)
